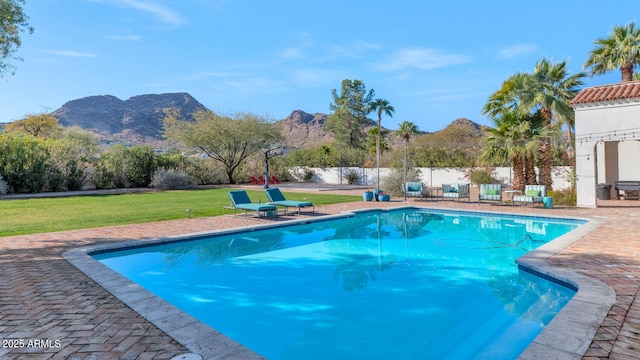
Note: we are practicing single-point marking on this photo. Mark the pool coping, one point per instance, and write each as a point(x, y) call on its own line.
point(567, 336)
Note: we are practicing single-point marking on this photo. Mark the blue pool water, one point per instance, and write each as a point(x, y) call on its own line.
point(405, 284)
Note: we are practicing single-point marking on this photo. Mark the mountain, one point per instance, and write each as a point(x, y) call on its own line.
point(466, 123)
point(302, 129)
point(136, 120)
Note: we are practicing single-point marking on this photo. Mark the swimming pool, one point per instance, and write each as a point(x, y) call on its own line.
point(383, 284)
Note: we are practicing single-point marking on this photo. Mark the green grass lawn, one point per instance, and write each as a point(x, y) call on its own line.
point(31, 216)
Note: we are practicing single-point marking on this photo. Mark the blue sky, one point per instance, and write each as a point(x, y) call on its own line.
point(434, 61)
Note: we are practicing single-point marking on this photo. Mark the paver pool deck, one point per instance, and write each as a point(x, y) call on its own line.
point(60, 313)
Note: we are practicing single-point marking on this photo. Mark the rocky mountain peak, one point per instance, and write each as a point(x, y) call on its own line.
point(301, 128)
point(464, 122)
point(142, 114)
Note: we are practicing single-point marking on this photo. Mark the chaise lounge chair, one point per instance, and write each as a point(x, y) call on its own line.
point(276, 198)
point(240, 201)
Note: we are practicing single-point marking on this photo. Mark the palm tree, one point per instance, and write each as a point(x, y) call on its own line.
point(547, 91)
point(621, 50)
point(510, 140)
point(380, 105)
point(406, 129)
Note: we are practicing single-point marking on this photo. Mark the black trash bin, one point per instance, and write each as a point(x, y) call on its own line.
point(604, 192)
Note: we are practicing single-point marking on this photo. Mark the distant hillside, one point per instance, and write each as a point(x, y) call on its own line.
point(301, 129)
point(135, 120)
point(138, 120)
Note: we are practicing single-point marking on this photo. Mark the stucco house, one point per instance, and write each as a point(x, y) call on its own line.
point(607, 136)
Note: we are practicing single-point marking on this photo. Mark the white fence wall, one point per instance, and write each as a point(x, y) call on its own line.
point(429, 176)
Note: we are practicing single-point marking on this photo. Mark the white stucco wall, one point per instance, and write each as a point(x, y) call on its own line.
point(606, 146)
point(561, 175)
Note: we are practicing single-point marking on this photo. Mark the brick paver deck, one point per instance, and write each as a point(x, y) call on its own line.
point(60, 313)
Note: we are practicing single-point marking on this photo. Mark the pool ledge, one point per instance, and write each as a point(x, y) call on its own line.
point(568, 336)
point(570, 333)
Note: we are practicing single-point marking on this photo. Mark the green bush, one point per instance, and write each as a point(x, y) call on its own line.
point(139, 166)
point(122, 167)
point(204, 172)
point(69, 165)
point(481, 176)
point(3, 186)
point(566, 197)
point(23, 163)
point(307, 174)
point(170, 179)
point(109, 170)
point(352, 177)
point(392, 183)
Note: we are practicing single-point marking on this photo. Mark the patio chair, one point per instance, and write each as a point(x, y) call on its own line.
point(532, 194)
point(240, 201)
point(456, 191)
point(276, 198)
point(490, 192)
point(414, 189)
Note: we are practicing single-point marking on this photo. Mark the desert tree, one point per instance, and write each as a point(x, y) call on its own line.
point(43, 126)
point(229, 140)
point(13, 22)
point(350, 109)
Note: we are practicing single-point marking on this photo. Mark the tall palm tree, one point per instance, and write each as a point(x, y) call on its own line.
point(548, 90)
point(512, 140)
point(620, 50)
point(380, 106)
point(405, 130)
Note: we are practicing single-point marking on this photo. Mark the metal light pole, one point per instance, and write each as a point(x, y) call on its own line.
point(404, 171)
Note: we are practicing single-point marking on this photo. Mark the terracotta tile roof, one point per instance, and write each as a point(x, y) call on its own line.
point(619, 91)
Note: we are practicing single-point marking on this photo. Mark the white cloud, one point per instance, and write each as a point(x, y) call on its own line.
point(212, 74)
point(516, 50)
point(291, 53)
point(124, 37)
point(162, 13)
point(71, 53)
point(423, 59)
point(311, 77)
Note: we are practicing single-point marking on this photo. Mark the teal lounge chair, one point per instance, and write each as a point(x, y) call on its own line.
point(414, 189)
point(240, 200)
point(276, 198)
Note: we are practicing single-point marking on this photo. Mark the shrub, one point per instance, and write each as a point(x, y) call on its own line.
point(203, 172)
point(3, 186)
point(307, 175)
point(140, 164)
point(392, 183)
point(170, 179)
point(566, 197)
point(69, 164)
point(121, 167)
point(352, 177)
point(23, 163)
point(109, 170)
point(481, 176)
